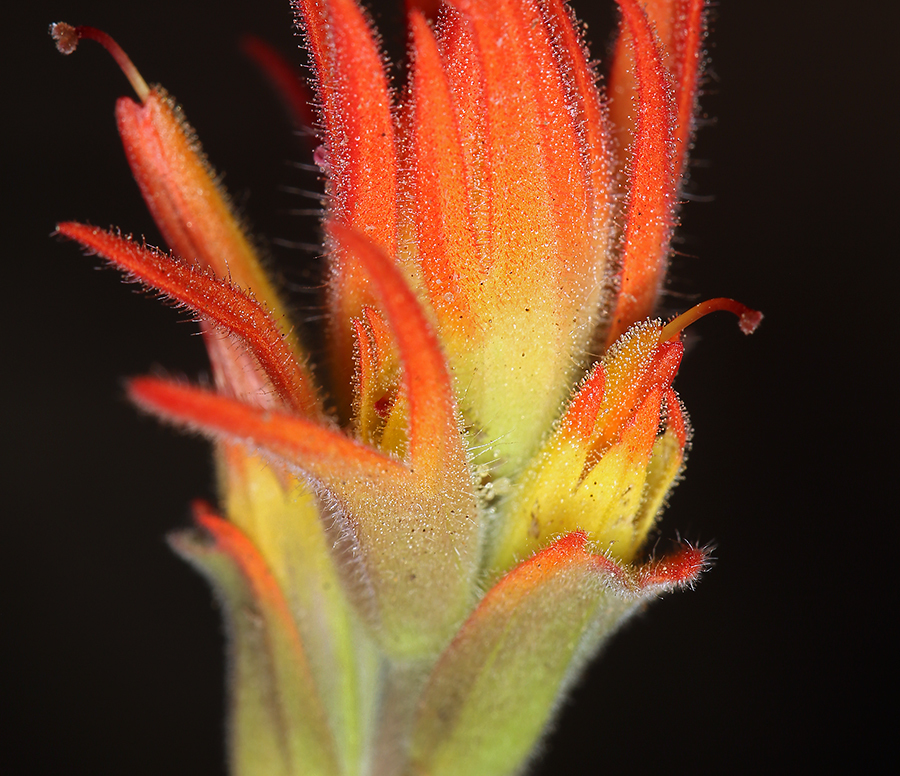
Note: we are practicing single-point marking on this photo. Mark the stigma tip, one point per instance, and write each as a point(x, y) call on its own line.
point(66, 38)
point(748, 319)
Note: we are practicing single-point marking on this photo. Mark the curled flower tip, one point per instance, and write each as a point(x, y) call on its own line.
point(66, 37)
point(748, 319)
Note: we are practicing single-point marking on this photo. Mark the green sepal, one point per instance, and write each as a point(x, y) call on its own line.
point(499, 682)
point(278, 725)
point(280, 515)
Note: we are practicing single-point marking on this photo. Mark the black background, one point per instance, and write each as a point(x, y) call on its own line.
point(777, 659)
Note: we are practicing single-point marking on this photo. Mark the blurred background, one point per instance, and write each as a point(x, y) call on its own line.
point(776, 660)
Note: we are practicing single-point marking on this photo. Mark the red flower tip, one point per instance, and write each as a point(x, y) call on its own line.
point(322, 452)
point(680, 569)
point(358, 127)
point(651, 197)
point(428, 8)
point(217, 535)
point(615, 395)
point(582, 413)
point(572, 551)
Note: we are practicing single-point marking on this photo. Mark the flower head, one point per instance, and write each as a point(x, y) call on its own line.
point(425, 537)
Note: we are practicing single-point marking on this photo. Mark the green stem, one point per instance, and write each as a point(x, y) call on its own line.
point(401, 689)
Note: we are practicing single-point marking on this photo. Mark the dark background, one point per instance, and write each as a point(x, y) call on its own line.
point(777, 660)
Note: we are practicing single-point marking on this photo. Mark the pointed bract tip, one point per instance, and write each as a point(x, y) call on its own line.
point(681, 569)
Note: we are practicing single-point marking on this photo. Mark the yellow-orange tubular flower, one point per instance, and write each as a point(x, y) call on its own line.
point(416, 558)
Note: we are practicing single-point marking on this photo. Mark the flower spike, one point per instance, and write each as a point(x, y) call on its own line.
point(686, 64)
point(416, 568)
point(587, 103)
point(446, 235)
point(680, 28)
point(356, 113)
point(189, 207)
